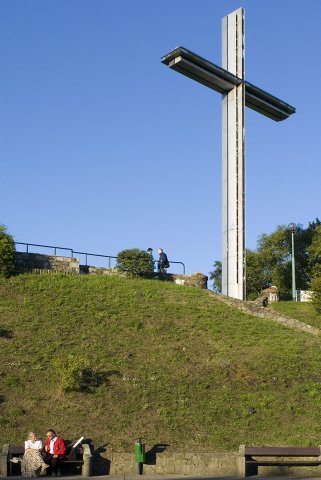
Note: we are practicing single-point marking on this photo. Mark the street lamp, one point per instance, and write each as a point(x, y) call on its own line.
point(292, 227)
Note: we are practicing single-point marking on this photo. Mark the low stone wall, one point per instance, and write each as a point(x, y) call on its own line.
point(216, 464)
point(169, 463)
point(29, 262)
point(40, 263)
point(195, 280)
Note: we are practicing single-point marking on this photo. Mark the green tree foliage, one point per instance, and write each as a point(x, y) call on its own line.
point(216, 276)
point(7, 249)
point(315, 264)
point(271, 263)
point(135, 261)
point(257, 275)
point(315, 253)
point(316, 299)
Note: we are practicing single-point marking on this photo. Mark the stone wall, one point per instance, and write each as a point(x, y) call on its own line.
point(171, 463)
point(35, 262)
point(30, 262)
point(216, 464)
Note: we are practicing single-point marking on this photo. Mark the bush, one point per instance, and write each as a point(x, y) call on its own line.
point(316, 298)
point(135, 261)
point(71, 371)
point(7, 250)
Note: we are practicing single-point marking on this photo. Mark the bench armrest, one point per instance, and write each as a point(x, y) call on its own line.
point(241, 472)
point(4, 460)
point(87, 458)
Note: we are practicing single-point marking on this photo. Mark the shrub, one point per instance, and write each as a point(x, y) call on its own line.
point(71, 372)
point(316, 298)
point(7, 250)
point(135, 261)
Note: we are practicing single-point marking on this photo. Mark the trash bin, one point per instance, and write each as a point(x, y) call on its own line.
point(140, 455)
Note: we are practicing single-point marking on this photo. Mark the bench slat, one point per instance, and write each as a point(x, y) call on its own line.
point(81, 462)
point(18, 450)
point(282, 452)
point(271, 463)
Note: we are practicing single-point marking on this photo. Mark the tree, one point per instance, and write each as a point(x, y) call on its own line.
point(135, 261)
point(316, 298)
point(315, 253)
point(276, 251)
point(7, 250)
point(271, 263)
point(216, 276)
point(315, 264)
point(257, 275)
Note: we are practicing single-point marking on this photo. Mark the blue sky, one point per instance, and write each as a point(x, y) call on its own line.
point(104, 148)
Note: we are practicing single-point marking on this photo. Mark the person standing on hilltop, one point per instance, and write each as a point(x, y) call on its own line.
point(150, 251)
point(162, 261)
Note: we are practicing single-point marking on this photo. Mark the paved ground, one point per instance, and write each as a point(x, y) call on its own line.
point(170, 477)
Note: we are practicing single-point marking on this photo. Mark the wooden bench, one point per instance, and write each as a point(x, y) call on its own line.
point(82, 459)
point(250, 458)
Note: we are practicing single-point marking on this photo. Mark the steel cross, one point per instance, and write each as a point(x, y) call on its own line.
point(236, 94)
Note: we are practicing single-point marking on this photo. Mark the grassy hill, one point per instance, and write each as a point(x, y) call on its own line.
point(168, 363)
point(302, 311)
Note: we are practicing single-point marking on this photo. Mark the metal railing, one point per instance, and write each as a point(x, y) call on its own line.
point(95, 255)
point(87, 254)
point(44, 246)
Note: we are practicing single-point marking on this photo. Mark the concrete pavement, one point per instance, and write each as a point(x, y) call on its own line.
point(167, 477)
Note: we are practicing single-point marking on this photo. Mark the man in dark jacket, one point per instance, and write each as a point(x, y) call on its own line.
point(162, 261)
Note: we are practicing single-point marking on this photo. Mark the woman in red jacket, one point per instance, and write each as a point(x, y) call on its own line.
point(54, 451)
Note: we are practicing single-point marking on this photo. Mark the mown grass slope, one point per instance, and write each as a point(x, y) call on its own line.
point(302, 311)
point(168, 363)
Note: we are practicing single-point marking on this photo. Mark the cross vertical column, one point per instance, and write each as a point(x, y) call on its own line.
point(233, 160)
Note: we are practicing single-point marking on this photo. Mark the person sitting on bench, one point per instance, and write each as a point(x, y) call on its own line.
point(54, 451)
point(32, 463)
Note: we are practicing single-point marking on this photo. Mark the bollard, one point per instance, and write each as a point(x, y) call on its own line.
point(140, 455)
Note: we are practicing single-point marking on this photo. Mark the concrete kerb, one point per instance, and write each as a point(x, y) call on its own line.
point(172, 477)
point(138, 477)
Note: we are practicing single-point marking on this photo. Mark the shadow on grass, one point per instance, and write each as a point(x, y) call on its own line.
point(4, 333)
point(92, 379)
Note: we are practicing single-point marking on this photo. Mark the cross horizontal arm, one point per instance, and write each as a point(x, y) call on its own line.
point(222, 81)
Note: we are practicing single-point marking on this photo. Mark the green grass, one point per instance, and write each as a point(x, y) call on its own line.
point(167, 363)
point(302, 311)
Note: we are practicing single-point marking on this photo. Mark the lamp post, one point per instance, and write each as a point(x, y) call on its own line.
point(292, 227)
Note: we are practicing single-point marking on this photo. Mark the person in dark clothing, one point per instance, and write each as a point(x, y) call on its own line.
point(162, 261)
point(150, 251)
